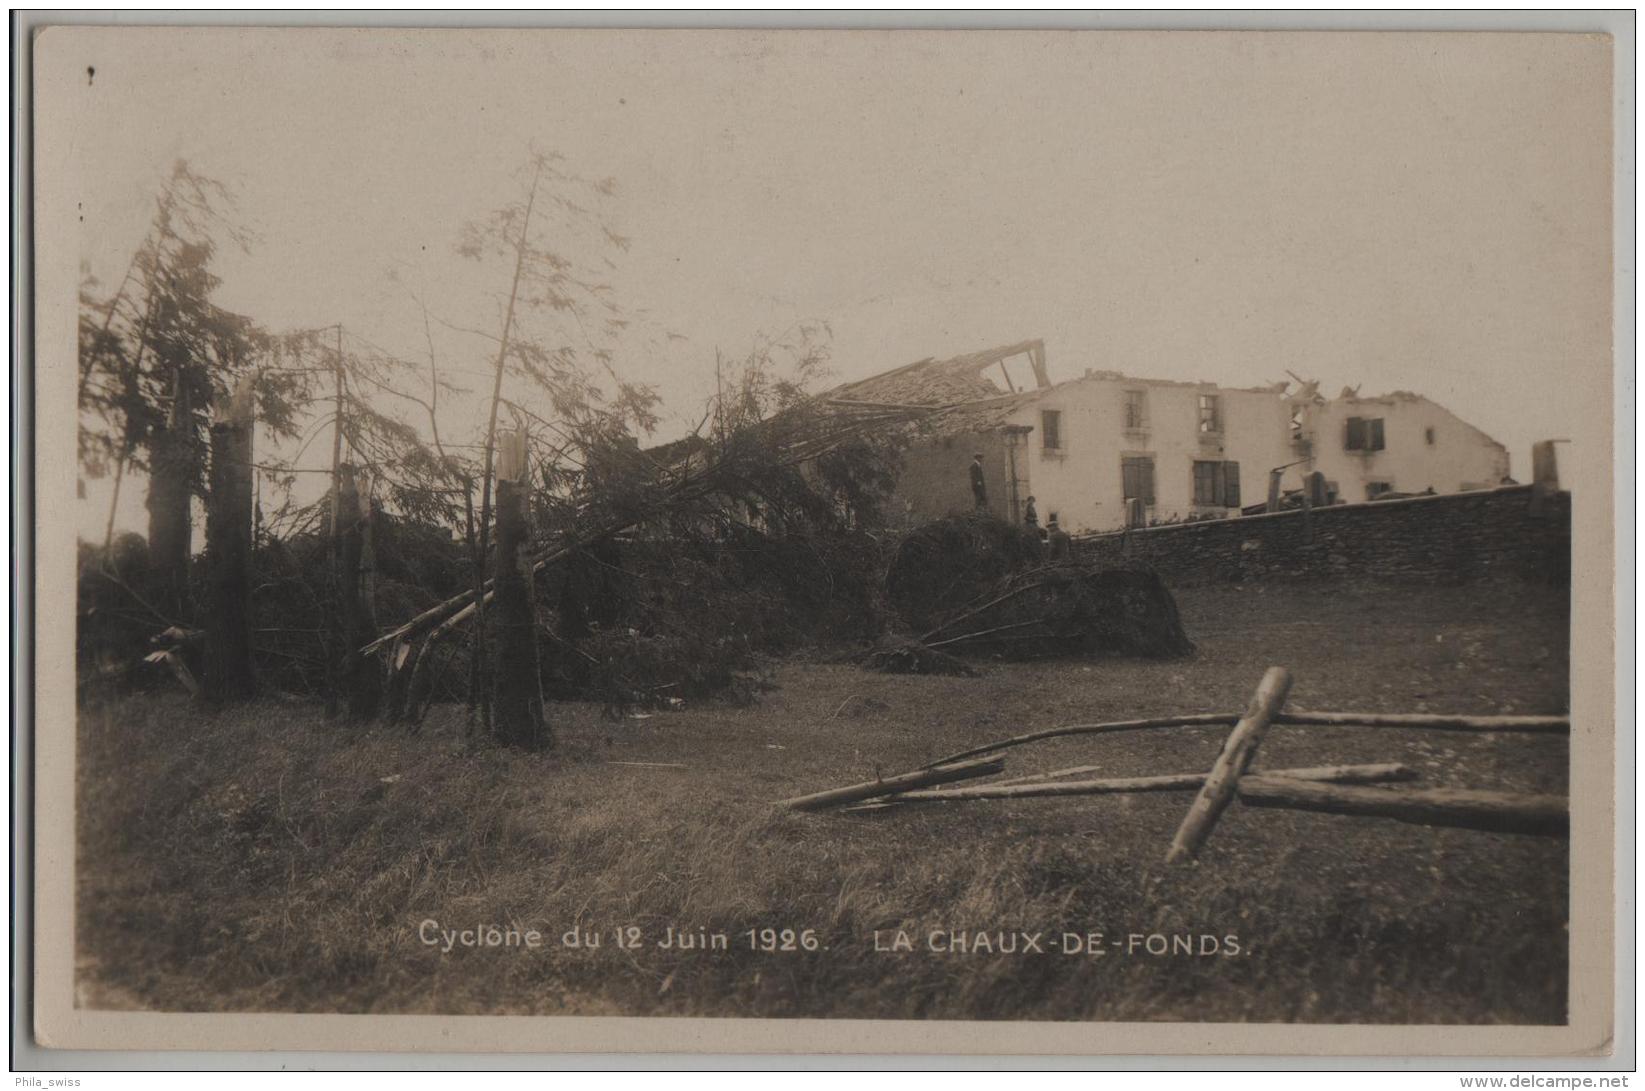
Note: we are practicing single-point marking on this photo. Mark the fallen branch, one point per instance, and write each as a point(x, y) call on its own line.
point(1175, 782)
point(872, 789)
point(1432, 721)
point(970, 612)
point(1199, 719)
point(984, 632)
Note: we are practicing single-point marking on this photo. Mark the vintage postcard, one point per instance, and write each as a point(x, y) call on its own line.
point(757, 540)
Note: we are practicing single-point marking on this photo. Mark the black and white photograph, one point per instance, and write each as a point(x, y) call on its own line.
point(963, 533)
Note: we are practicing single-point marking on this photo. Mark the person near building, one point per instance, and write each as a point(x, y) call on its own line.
point(1062, 546)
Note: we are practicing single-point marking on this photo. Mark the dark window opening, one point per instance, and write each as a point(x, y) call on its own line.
point(1429, 435)
point(1374, 489)
point(1051, 429)
point(1363, 434)
point(1136, 409)
point(1210, 413)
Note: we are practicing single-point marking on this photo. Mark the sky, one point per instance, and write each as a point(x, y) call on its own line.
point(1416, 212)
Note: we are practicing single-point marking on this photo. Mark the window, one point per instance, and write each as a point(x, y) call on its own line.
point(1137, 477)
point(1363, 434)
point(1216, 484)
point(1136, 409)
point(1051, 429)
point(1210, 413)
point(1375, 489)
point(1428, 434)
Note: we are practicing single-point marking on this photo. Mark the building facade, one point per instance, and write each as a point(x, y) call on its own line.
point(1086, 448)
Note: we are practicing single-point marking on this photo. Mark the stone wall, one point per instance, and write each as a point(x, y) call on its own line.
point(1452, 538)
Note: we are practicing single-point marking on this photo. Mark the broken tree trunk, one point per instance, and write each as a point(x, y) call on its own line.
point(228, 667)
point(169, 493)
point(1176, 782)
point(1236, 755)
point(873, 789)
point(1498, 812)
point(517, 699)
point(397, 688)
point(360, 680)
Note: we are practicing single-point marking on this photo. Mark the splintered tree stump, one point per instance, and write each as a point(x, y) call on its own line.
point(1237, 752)
point(517, 696)
point(397, 686)
point(228, 667)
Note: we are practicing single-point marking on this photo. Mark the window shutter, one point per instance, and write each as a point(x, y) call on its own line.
point(1375, 443)
point(1204, 483)
point(1137, 478)
point(1355, 439)
point(1230, 484)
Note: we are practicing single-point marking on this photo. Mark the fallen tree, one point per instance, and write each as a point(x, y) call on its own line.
point(976, 584)
point(778, 465)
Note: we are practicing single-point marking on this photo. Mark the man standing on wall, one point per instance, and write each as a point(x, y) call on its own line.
point(979, 489)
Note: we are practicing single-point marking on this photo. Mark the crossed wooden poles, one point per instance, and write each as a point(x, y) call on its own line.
point(1338, 789)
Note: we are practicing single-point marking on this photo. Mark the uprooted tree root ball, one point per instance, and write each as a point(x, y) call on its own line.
point(975, 584)
point(943, 565)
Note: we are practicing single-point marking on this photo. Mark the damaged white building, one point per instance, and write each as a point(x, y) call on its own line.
point(1085, 447)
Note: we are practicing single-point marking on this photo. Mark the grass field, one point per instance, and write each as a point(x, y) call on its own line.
point(265, 860)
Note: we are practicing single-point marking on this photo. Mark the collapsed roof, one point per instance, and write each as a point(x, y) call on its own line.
point(956, 381)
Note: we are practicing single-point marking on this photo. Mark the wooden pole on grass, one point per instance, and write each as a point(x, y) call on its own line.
point(1337, 774)
point(1435, 722)
point(1175, 782)
point(1223, 780)
point(873, 789)
point(1498, 812)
